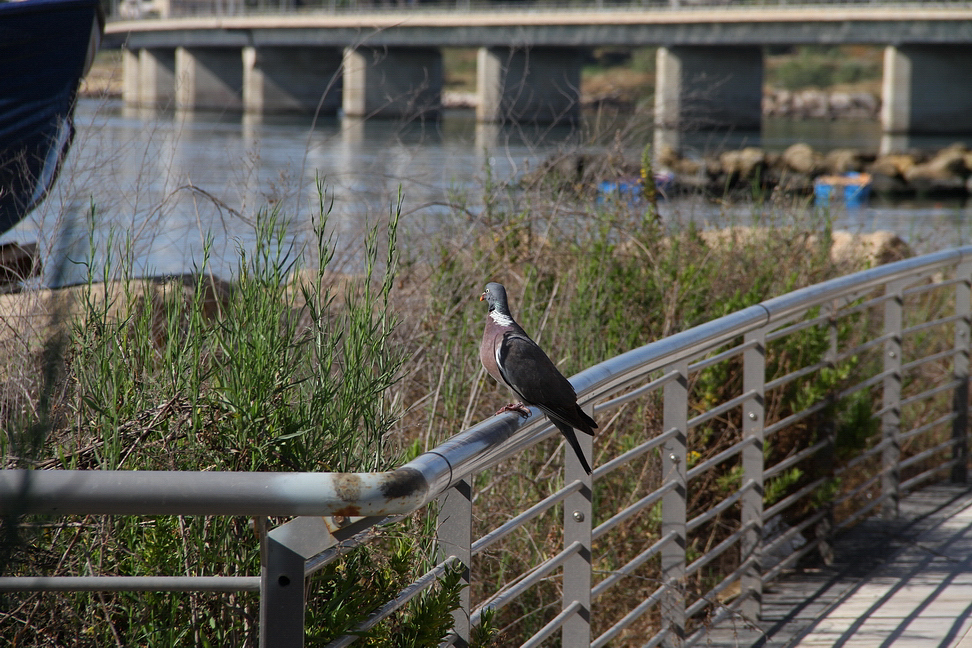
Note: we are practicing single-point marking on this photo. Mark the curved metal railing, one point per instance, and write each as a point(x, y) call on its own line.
point(752, 537)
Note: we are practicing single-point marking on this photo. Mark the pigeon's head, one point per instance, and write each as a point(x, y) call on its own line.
point(495, 296)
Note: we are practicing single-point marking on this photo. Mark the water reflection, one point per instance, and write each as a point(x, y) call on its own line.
point(175, 182)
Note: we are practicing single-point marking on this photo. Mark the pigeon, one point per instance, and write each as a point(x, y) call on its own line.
point(515, 360)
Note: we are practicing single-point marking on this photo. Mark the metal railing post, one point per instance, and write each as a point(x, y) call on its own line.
point(578, 516)
point(673, 504)
point(754, 379)
point(455, 539)
point(960, 371)
point(891, 401)
point(281, 594)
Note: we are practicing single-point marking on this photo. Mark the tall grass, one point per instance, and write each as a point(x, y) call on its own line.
point(285, 369)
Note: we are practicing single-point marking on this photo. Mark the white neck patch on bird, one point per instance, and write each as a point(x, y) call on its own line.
point(500, 318)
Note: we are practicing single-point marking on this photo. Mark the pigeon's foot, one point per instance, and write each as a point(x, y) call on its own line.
point(519, 408)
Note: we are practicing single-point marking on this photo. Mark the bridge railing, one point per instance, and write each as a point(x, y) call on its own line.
point(843, 396)
point(136, 9)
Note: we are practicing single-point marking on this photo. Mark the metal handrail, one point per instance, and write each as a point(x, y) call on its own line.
point(358, 502)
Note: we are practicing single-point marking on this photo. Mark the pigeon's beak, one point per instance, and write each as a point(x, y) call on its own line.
point(482, 297)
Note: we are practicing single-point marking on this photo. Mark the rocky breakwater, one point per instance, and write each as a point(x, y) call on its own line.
point(945, 173)
point(821, 104)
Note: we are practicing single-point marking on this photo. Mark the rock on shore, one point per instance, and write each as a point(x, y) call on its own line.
point(947, 172)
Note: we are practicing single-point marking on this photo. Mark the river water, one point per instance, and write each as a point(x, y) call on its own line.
point(168, 185)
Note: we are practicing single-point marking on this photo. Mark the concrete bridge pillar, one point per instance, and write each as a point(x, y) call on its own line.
point(927, 89)
point(291, 79)
point(709, 87)
point(392, 82)
point(156, 79)
point(210, 78)
point(131, 75)
point(537, 84)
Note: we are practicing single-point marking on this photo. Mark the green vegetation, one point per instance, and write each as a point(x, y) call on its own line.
point(823, 67)
point(291, 368)
point(267, 374)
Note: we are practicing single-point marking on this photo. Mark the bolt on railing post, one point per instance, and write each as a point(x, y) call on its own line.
point(891, 401)
point(578, 515)
point(754, 380)
point(960, 371)
point(455, 539)
point(673, 504)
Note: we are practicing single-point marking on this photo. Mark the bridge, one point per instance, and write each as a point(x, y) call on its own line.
point(389, 64)
point(844, 419)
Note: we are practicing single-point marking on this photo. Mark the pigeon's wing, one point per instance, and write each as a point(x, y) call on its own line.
point(537, 381)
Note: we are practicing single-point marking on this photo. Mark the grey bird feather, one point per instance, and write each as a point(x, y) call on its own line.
point(513, 359)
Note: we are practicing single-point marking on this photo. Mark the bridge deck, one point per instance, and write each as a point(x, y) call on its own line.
point(904, 582)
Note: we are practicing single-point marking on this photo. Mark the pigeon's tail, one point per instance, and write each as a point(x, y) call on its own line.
point(571, 437)
point(591, 423)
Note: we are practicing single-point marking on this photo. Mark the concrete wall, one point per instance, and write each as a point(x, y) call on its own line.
point(394, 82)
point(539, 84)
point(292, 79)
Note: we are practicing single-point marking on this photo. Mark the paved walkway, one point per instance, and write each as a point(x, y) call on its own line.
point(906, 582)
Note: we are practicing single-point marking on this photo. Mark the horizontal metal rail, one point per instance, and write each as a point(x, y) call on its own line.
point(632, 565)
point(423, 583)
point(732, 451)
point(555, 624)
point(629, 511)
point(130, 584)
point(629, 618)
point(527, 580)
point(515, 523)
point(633, 454)
point(794, 459)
